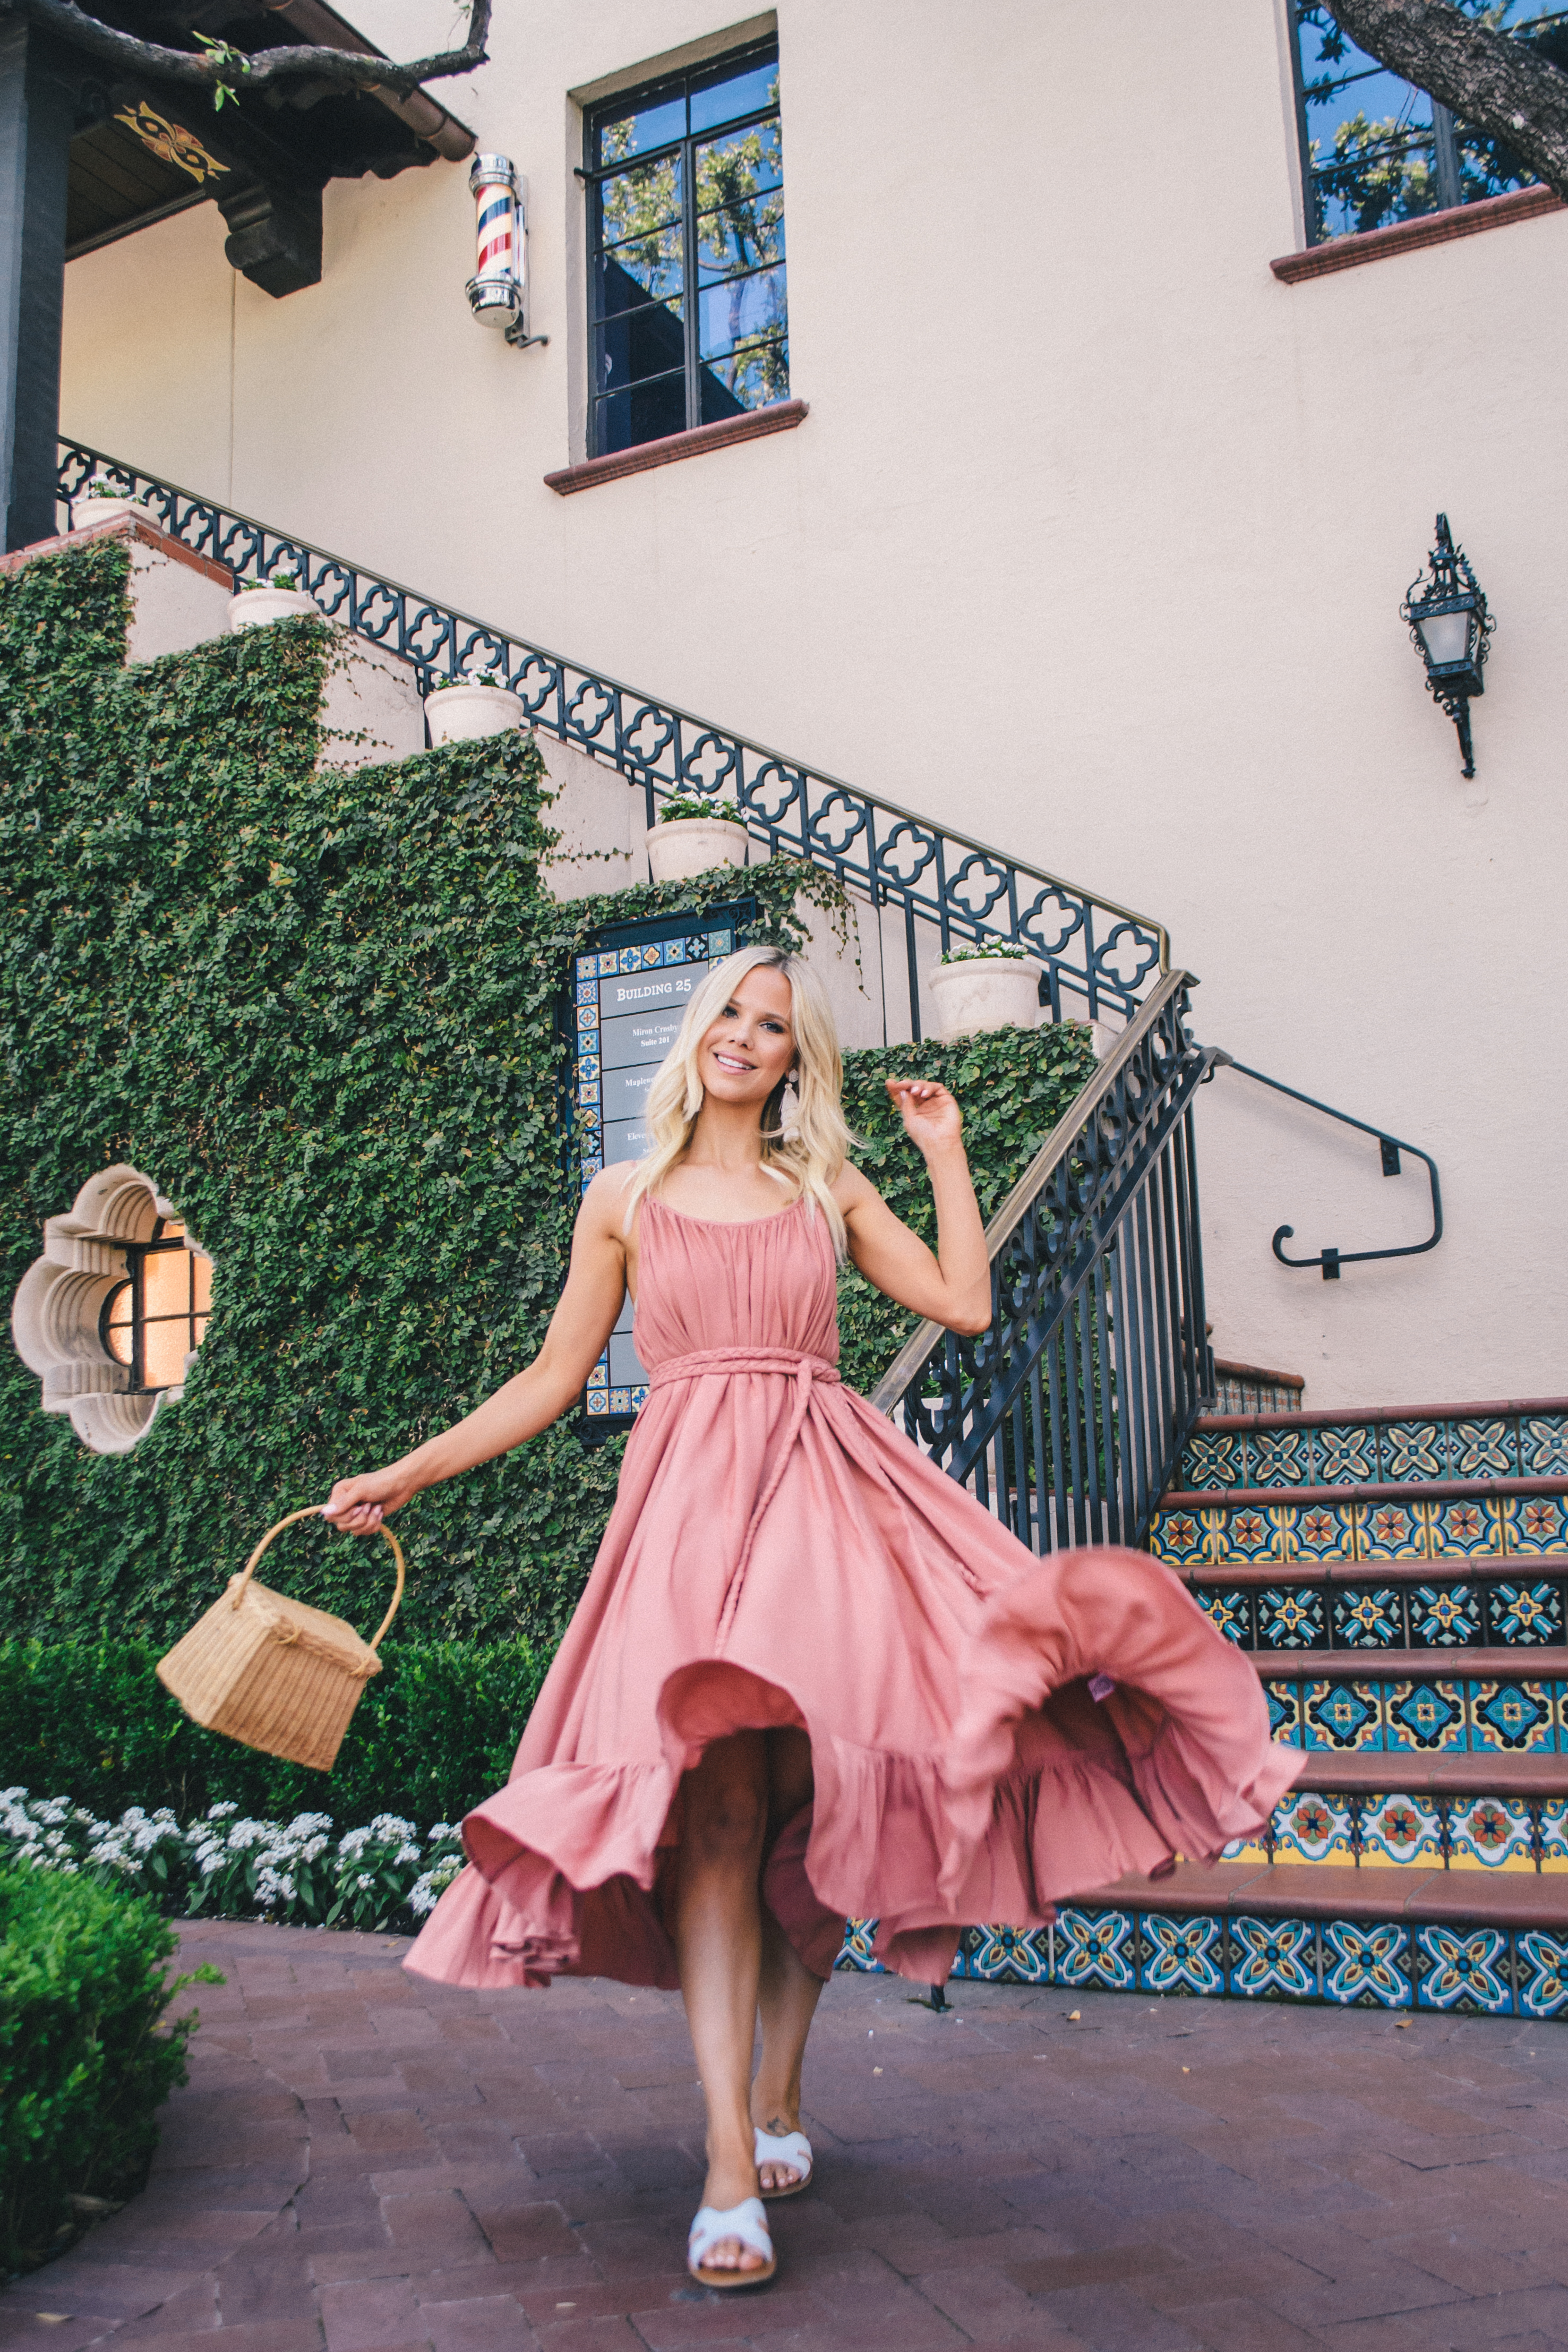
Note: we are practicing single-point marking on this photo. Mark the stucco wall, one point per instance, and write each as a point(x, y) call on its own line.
point(1092, 544)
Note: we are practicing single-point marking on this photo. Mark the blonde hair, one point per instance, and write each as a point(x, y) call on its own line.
point(809, 1153)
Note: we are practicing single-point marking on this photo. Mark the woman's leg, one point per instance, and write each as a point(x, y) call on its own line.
point(718, 1944)
point(788, 1992)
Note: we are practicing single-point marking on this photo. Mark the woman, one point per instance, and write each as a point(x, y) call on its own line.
point(810, 1676)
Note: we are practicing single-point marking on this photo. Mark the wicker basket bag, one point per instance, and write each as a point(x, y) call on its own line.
point(270, 1672)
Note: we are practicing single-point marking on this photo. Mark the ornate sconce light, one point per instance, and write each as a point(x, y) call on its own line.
point(1450, 626)
point(499, 289)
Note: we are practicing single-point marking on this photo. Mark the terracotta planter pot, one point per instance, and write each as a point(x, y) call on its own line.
point(252, 608)
point(694, 844)
point(460, 714)
point(987, 992)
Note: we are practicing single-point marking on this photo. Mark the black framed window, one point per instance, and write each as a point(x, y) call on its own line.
point(158, 1315)
point(1376, 150)
point(687, 311)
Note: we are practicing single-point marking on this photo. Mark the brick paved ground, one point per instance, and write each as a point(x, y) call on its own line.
point(368, 2164)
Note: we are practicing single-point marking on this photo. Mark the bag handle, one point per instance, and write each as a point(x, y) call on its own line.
point(314, 1512)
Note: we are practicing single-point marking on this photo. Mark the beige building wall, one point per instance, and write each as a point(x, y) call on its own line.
point(1091, 544)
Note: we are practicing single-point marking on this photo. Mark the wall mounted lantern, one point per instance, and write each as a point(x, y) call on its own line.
point(1450, 626)
point(499, 289)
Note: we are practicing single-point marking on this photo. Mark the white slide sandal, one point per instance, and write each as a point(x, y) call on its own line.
point(785, 2148)
point(747, 2222)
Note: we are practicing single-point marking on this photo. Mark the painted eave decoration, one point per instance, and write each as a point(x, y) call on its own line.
point(143, 149)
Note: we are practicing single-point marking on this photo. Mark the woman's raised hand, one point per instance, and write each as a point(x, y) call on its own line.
point(358, 1506)
point(931, 1117)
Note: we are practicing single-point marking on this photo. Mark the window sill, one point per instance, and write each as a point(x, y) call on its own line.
point(778, 417)
point(1407, 236)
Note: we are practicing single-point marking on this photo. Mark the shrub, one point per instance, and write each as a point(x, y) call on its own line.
point(322, 1010)
point(434, 1733)
point(1012, 1087)
point(85, 2060)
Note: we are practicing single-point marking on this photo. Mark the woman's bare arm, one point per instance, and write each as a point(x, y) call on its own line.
point(952, 1285)
point(532, 1399)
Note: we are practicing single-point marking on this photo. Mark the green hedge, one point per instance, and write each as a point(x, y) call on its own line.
point(1012, 1086)
point(320, 1010)
point(85, 2060)
point(434, 1733)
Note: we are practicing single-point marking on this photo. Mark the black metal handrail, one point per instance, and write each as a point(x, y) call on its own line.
point(1068, 1415)
point(1390, 1146)
point(1098, 958)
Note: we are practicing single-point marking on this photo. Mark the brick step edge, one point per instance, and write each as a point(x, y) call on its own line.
point(1406, 1491)
point(1520, 1565)
point(1308, 1890)
point(1358, 1416)
point(1412, 1665)
point(1447, 1772)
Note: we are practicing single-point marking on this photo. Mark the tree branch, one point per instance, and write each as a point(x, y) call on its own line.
point(224, 68)
point(1495, 80)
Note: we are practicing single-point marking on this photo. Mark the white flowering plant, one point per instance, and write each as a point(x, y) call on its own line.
point(227, 1866)
point(477, 673)
point(102, 485)
point(1010, 949)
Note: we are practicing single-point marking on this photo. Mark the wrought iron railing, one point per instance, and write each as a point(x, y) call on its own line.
point(1067, 1417)
point(935, 888)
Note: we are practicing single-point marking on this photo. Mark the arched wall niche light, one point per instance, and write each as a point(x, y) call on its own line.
point(111, 1316)
point(1450, 626)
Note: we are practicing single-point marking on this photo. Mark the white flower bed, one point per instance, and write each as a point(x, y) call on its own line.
point(382, 1876)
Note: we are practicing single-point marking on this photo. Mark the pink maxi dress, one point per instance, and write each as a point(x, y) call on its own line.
point(779, 1553)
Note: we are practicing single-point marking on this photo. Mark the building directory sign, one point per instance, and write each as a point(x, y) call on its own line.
point(630, 991)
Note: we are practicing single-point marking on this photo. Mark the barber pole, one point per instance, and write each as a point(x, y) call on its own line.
point(497, 291)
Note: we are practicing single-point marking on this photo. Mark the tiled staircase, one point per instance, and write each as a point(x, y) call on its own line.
point(1400, 1579)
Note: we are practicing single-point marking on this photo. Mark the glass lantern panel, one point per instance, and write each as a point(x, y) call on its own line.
point(1446, 636)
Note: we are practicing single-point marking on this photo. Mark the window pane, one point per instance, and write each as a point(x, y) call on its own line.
point(729, 92)
point(164, 1347)
point(117, 1324)
point(203, 1272)
point(747, 379)
point(166, 1282)
point(645, 412)
point(635, 203)
point(648, 270)
point(733, 170)
point(637, 344)
point(741, 236)
point(741, 311)
point(654, 120)
point(1371, 148)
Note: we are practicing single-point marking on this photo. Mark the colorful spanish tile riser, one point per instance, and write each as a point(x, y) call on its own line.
point(1451, 1445)
point(1392, 1964)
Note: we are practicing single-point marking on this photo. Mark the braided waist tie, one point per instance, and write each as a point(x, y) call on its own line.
point(806, 1371)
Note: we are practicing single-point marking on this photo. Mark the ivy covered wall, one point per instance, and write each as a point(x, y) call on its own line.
point(319, 1011)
